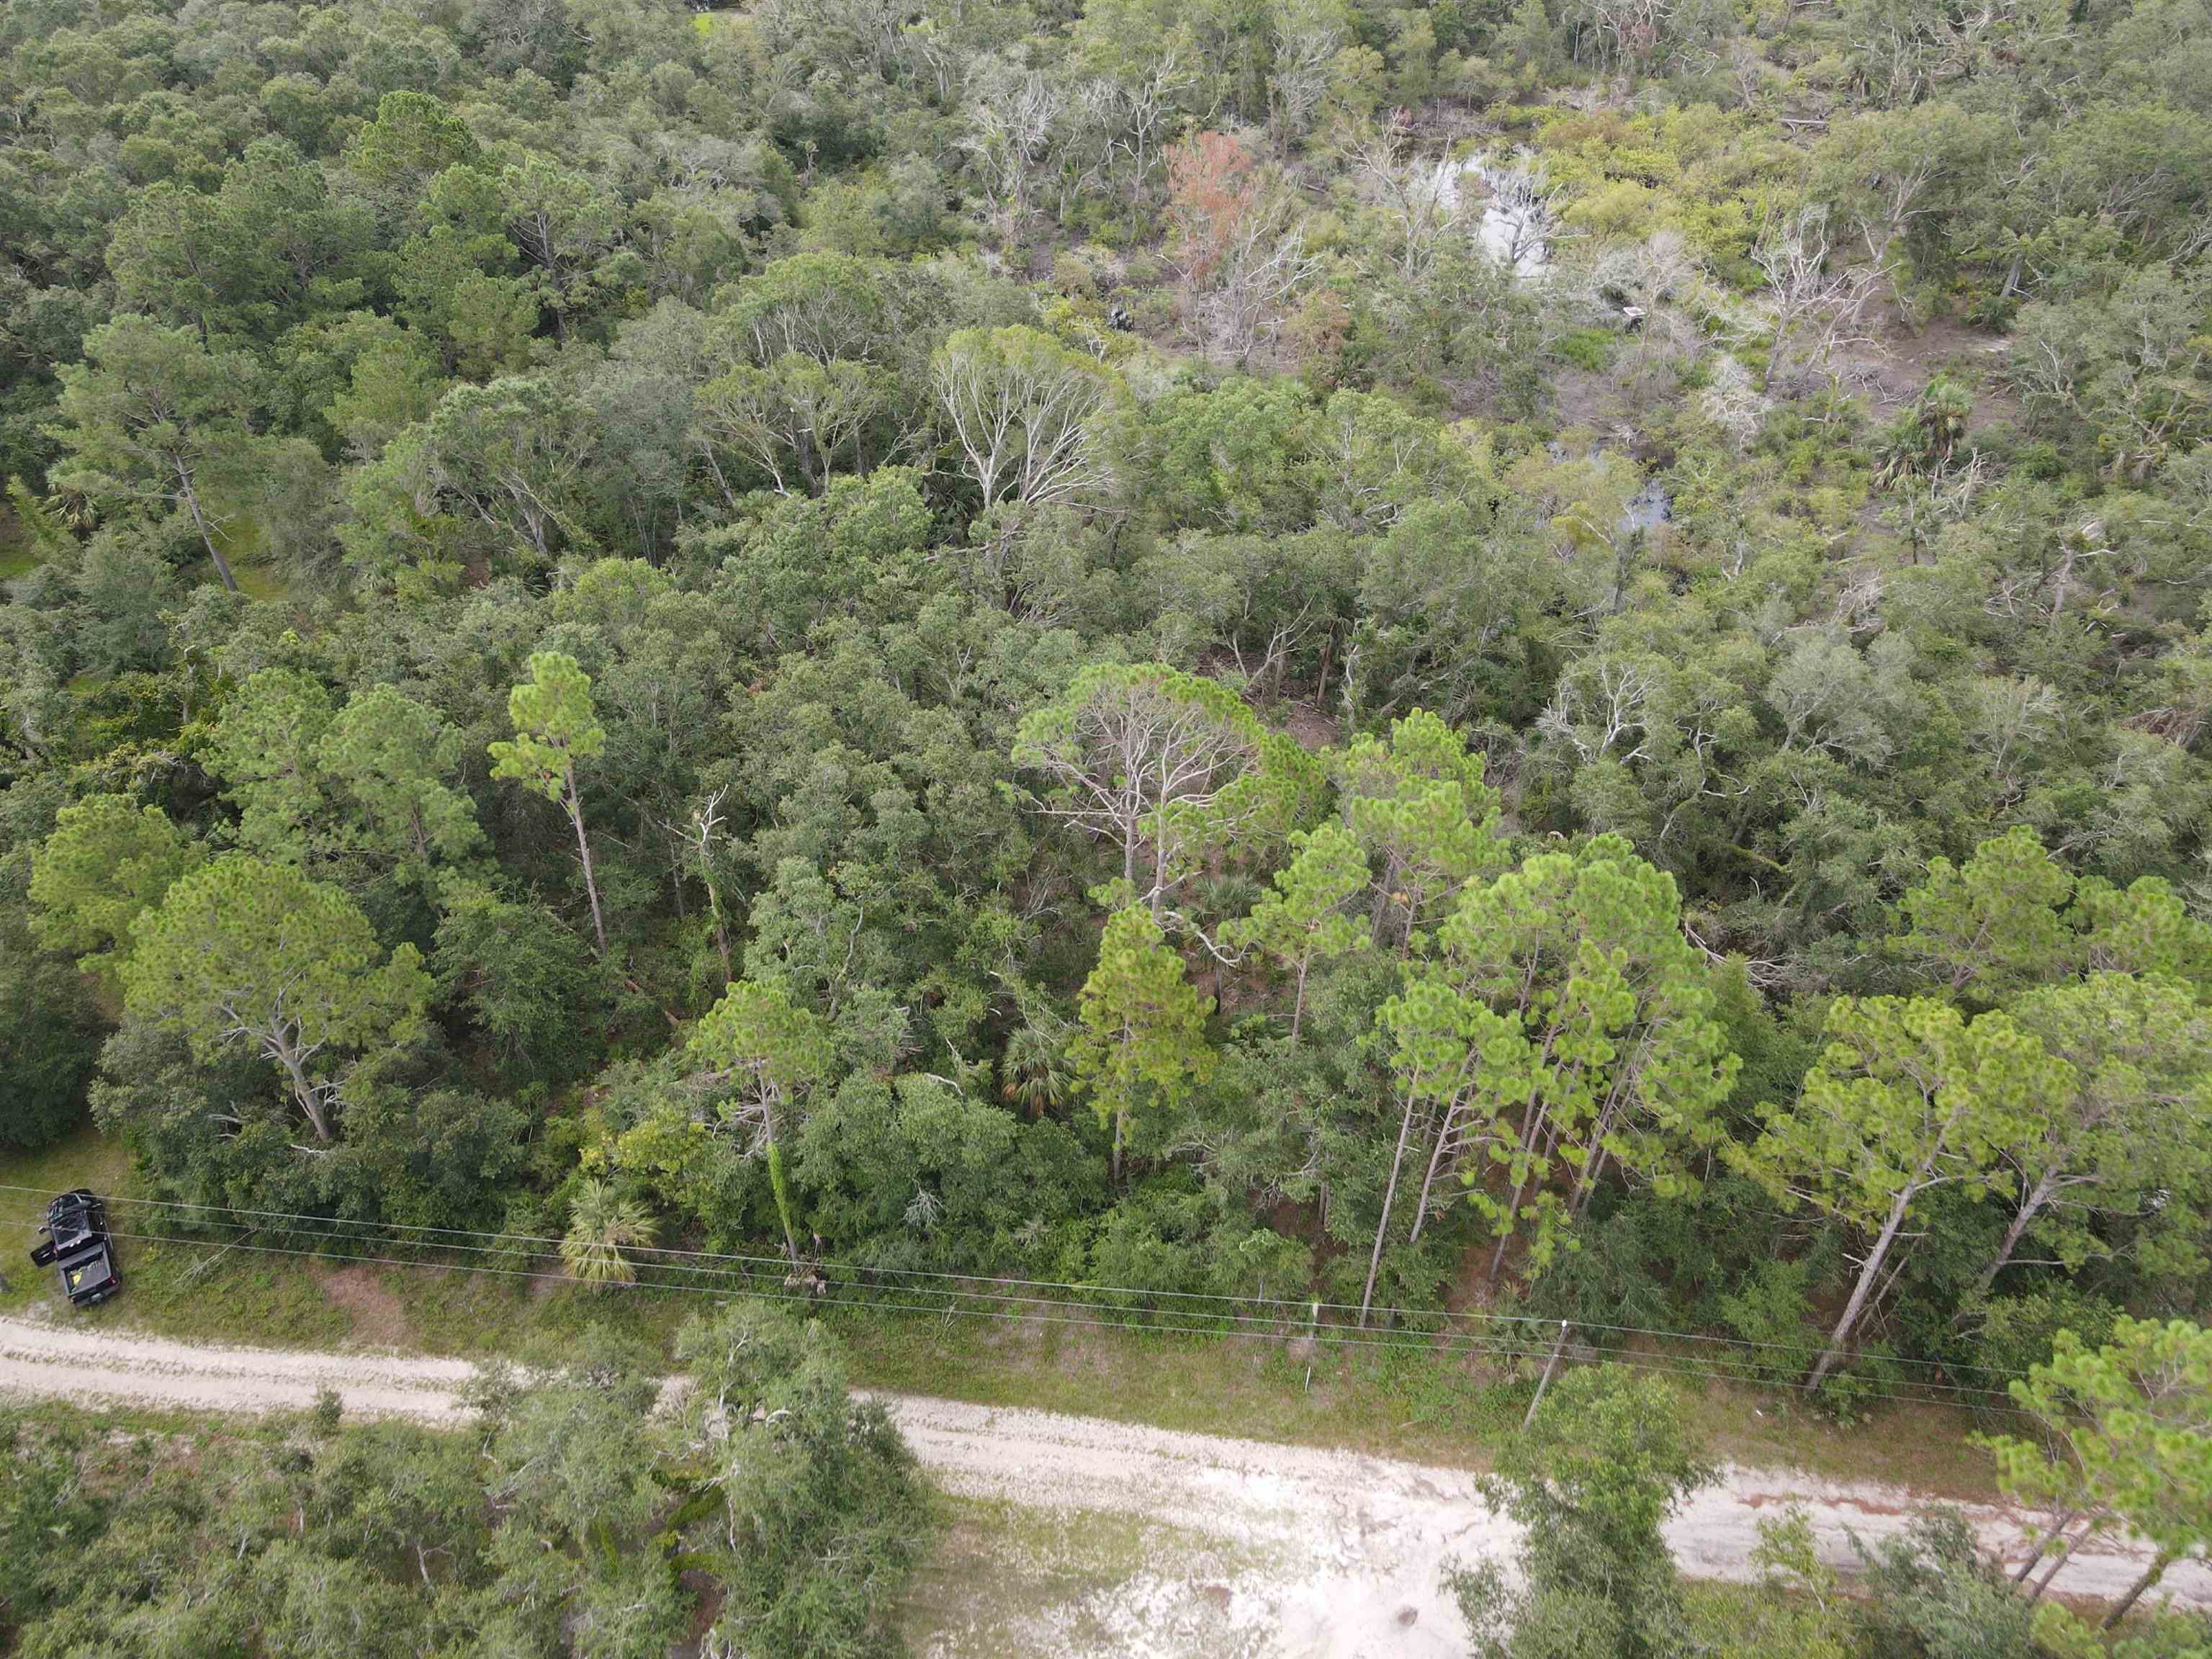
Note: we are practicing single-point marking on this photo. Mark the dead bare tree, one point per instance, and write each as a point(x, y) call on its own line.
point(1011, 124)
point(1135, 112)
point(1151, 760)
point(1520, 220)
point(1420, 200)
point(1305, 55)
point(1024, 411)
point(1240, 239)
point(699, 837)
point(1620, 34)
point(1818, 303)
point(1900, 62)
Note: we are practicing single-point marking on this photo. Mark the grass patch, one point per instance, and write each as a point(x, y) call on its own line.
point(1586, 348)
point(19, 554)
point(258, 582)
point(1403, 1403)
point(82, 1158)
point(245, 541)
point(1922, 1446)
point(256, 1300)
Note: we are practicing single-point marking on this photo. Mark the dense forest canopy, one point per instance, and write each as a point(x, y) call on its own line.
point(1549, 655)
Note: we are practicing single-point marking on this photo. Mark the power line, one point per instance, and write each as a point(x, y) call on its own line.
point(1076, 1294)
point(765, 1277)
point(1332, 1336)
point(753, 1269)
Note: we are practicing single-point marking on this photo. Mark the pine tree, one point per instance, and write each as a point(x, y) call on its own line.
point(1303, 922)
point(247, 951)
point(555, 726)
point(1142, 1042)
point(1908, 1097)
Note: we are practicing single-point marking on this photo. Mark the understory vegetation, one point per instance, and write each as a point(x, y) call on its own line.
point(1542, 661)
point(1607, 1459)
point(768, 1514)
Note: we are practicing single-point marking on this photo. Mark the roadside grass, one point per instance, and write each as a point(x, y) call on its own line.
point(257, 1301)
point(1405, 1402)
point(120, 1421)
point(1388, 1402)
point(1922, 1446)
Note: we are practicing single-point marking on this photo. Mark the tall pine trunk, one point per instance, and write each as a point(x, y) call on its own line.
point(1429, 1180)
point(1861, 1291)
point(1389, 1198)
point(1528, 1124)
point(305, 1095)
point(2030, 1208)
point(2066, 1518)
point(591, 880)
point(207, 534)
point(2151, 1574)
point(2066, 1549)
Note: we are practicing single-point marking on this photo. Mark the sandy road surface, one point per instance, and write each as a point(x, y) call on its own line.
point(1341, 1552)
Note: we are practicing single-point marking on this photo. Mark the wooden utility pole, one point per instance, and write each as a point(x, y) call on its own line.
point(1545, 1381)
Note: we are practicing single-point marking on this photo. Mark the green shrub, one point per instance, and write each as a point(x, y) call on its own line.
point(1768, 1312)
point(1931, 1593)
point(1586, 348)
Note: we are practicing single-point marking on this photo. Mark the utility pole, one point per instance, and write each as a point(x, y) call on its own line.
point(1545, 1381)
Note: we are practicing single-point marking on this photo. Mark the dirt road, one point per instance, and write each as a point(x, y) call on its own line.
point(1337, 1555)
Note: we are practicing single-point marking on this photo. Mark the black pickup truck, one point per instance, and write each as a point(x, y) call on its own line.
point(78, 1247)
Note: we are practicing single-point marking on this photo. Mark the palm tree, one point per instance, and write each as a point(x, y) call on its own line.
point(1901, 451)
point(1922, 440)
point(1943, 410)
point(602, 1224)
point(1032, 1074)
